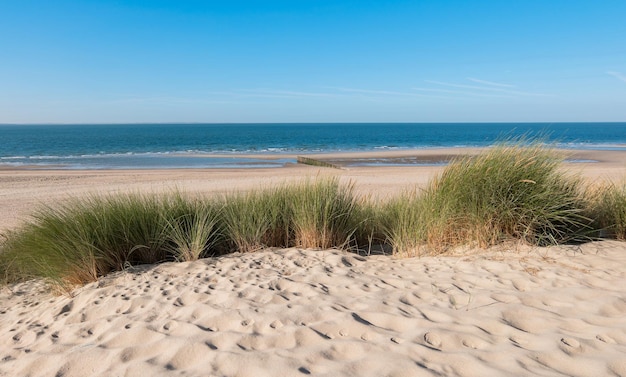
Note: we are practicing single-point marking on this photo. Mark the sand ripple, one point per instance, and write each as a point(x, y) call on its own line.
point(549, 312)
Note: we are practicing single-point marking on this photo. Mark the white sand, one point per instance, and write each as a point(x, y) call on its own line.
point(547, 312)
point(513, 311)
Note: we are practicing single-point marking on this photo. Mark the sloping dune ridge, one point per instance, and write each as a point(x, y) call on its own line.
point(508, 311)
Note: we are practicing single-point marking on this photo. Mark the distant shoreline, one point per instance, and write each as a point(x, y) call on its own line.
point(383, 158)
point(271, 145)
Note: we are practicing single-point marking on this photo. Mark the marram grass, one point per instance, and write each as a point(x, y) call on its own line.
point(510, 192)
point(607, 208)
point(322, 214)
point(507, 192)
point(86, 238)
point(251, 221)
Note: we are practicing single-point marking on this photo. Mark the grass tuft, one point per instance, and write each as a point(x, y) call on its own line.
point(508, 192)
point(607, 206)
point(249, 220)
point(192, 229)
point(322, 214)
point(402, 222)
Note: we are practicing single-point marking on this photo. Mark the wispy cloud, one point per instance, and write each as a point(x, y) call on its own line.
point(617, 75)
point(284, 93)
point(377, 92)
point(491, 83)
point(167, 100)
point(461, 92)
point(436, 90)
point(487, 88)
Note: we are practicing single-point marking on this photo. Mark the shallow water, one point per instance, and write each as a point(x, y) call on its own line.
point(147, 146)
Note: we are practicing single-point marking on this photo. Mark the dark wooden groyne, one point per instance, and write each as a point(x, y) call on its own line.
point(315, 162)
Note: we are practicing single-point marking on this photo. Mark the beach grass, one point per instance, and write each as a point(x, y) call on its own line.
point(401, 220)
point(86, 238)
point(252, 221)
point(323, 214)
point(313, 214)
point(607, 207)
point(509, 192)
point(512, 191)
point(192, 228)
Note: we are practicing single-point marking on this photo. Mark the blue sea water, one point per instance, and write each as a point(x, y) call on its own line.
point(146, 146)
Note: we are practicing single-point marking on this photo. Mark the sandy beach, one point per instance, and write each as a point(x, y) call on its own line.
point(512, 310)
point(24, 190)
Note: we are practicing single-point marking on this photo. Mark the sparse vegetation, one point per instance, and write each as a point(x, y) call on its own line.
point(510, 192)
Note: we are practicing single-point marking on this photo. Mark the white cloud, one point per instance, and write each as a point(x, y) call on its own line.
point(487, 88)
point(491, 83)
point(617, 75)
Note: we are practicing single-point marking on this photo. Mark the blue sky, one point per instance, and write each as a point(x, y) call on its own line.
point(312, 61)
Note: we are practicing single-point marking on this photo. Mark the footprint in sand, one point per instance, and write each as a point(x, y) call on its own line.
point(436, 316)
point(520, 342)
point(433, 341)
point(473, 342)
point(525, 320)
point(606, 339)
point(277, 324)
point(169, 325)
point(570, 345)
point(24, 338)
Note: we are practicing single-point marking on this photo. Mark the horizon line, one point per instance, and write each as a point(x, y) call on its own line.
point(287, 123)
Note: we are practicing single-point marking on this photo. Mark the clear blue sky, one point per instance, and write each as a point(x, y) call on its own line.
point(312, 61)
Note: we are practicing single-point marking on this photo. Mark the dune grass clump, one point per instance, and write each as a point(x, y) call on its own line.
point(607, 207)
point(192, 228)
point(401, 221)
point(322, 214)
point(76, 242)
point(312, 214)
point(367, 226)
point(508, 192)
point(254, 220)
point(84, 239)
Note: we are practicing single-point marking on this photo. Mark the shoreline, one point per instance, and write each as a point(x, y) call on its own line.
point(382, 158)
point(24, 190)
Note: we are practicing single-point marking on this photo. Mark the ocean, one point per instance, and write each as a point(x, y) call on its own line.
point(151, 146)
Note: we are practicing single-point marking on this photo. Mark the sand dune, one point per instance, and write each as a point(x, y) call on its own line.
point(549, 312)
point(512, 311)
